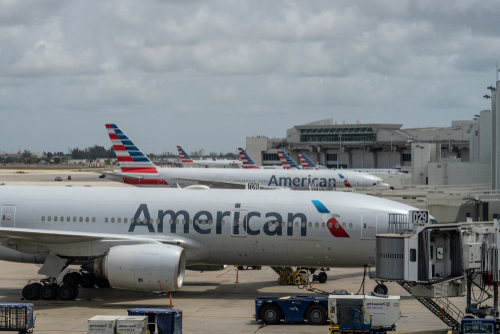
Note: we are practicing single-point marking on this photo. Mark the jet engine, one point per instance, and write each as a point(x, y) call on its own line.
point(146, 267)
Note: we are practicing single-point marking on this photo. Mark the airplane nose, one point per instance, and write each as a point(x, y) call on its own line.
point(381, 183)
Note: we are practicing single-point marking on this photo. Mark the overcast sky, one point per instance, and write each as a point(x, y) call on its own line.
point(208, 74)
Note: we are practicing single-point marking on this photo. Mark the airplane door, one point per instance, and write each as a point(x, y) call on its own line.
point(8, 216)
point(238, 223)
point(368, 225)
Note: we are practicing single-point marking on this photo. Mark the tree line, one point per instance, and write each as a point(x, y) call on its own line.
point(93, 152)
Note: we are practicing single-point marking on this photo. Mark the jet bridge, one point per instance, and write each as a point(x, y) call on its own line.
point(436, 261)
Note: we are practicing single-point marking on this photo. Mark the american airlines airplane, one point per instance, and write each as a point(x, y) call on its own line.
point(144, 239)
point(137, 169)
point(186, 159)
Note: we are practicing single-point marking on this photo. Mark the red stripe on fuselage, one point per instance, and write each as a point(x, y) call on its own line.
point(139, 170)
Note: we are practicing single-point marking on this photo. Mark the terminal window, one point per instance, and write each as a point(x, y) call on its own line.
point(407, 157)
point(270, 157)
point(331, 157)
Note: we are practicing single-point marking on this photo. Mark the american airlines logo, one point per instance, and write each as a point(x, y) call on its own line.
point(301, 182)
point(181, 221)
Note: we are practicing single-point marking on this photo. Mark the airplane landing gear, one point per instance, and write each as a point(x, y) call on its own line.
point(49, 291)
point(31, 291)
point(322, 277)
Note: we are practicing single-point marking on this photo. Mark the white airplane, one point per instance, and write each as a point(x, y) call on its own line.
point(138, 170)
point(186, 159)
point(144, 239)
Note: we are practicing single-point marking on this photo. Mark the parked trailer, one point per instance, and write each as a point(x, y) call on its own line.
point(17, 317)
point(271, 310)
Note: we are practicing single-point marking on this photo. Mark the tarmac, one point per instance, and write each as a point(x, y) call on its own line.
point(212, 302)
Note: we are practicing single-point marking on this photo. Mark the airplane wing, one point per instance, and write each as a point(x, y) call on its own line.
point(63, 237)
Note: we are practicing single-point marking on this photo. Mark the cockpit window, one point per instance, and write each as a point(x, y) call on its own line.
point(434, 221)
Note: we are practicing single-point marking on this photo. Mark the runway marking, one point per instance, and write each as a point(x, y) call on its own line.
point(223, 273)
point(225, 281)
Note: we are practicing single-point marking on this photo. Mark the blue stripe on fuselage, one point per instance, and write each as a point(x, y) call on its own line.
point(320, 207)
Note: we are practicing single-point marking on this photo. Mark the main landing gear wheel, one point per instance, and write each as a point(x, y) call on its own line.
point(71, 278)
point(66, 292)
point(316, 315)
point(31, 291)
point(244, 267)
point(48, 292)
point(256, 267)
point(322, 277)
point(270, 314)
point(87, 281)
point(381, 289)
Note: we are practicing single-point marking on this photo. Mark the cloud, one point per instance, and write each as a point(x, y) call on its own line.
point(160, 66)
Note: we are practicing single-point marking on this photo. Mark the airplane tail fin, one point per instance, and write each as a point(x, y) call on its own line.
point(286, 161)
point(213, 158)
point(245, 159)
point(130, 157)
point(305, 161)
point(185, 158)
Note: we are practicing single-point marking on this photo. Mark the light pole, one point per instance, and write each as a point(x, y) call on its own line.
point(449, 141)
point(390, 153)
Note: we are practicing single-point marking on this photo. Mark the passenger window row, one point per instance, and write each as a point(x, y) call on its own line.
point(62, 218)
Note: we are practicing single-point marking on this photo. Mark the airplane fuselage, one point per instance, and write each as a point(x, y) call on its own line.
point(280, 228)
point(274, 178)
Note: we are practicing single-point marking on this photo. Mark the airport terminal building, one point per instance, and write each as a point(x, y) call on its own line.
point(360, 145)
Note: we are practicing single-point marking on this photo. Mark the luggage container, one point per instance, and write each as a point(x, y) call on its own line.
point(16, 317)
point(380, 312)
point(168, 321)
point(132, 325)
point(102, 324)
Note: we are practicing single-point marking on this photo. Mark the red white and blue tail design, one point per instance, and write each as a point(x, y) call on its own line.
point(245, 159)
point(213, 158)
point(305, 161)
point(286, 161)
point(185, 158)
point(130, 157)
